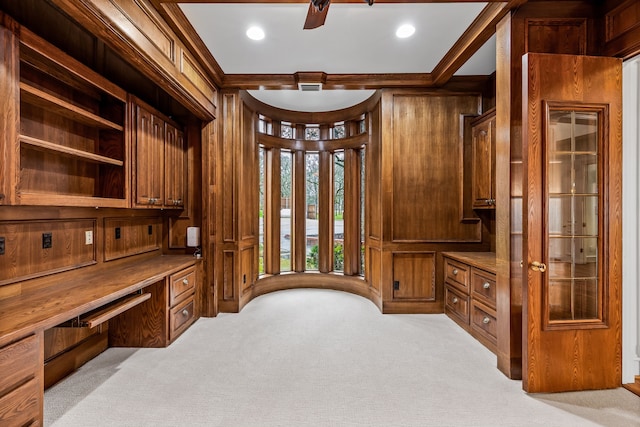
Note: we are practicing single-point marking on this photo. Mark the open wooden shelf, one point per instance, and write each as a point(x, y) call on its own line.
point(40, 98)
point(43, 145)
point(56, 199)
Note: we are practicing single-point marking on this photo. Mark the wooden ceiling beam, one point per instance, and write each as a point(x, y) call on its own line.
point(480, 30)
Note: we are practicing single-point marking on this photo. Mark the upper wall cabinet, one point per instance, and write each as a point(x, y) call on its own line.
point(483, 186)
point(159, 158)
point(65, 126)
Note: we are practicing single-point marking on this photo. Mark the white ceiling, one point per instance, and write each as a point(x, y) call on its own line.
point(356, 39)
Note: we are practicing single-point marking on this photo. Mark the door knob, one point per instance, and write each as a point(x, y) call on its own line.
point(538, 266)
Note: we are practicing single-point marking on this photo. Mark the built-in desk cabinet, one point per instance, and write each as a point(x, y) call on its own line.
point(470, 293)
point(147, 302)
point(159, 157)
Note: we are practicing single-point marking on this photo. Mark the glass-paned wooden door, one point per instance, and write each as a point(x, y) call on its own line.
point(572, 225)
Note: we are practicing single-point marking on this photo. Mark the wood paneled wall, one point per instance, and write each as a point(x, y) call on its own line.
point(418, 210)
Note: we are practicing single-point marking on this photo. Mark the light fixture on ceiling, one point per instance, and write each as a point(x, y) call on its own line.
point(405, 30)
point(255, 33)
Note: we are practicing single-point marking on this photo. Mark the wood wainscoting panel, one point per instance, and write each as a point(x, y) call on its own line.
point(248, 178)
point(427, 176)
point(247, 271)
point(131, 236)
point(149, 24)
point(567, 35)
point(228, 274)
point(375, 269)
point(414, 276)
point(622, 29)
point(25, 255)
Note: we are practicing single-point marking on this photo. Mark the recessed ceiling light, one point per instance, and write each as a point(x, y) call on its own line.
point(405, 31)
point(255, 33)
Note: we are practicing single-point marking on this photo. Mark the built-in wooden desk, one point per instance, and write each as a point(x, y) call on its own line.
point(169, 282)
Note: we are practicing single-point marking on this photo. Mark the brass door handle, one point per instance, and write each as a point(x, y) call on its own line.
point(538, 266)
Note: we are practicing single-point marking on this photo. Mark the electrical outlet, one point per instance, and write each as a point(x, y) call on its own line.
point(1, 245)
point(88, 237)
point(117, 233)
point(244, 278)
point(396, 285)
point(150, 230)
point(47, 240)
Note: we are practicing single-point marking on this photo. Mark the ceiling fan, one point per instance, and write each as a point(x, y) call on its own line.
point(318, 13)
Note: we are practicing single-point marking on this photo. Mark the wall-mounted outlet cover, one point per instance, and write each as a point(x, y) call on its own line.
point(47, 240)
point(118, 233)
point(88, 237)
point(150, 229)
point(1, 245)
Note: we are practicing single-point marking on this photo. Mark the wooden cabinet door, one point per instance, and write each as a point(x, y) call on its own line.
point(149, 158)
point(414, 276)
point(174, 171)
point(572, 145)
point(483, 182)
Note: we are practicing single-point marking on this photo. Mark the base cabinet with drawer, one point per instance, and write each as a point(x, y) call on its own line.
point(169, 311)
point(21, 389)
point(470, 294)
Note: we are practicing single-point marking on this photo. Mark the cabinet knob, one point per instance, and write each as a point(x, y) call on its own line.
point(486, 320)
point(454, 300)
point(486, 285)
point(185, 281)
point(455, 271)
point(185, 312)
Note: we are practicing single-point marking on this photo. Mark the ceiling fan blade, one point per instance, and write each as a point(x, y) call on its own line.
point(315, 17)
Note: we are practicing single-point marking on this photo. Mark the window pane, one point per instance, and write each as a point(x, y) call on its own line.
point(312, 133)
point(312, 165)
point(338, 211)
point(286, 179)
point(261, 211)
point(362, 188)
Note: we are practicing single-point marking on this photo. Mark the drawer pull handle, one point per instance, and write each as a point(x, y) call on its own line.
point(185, 282)
point(454, 300)
point(455, 272)
point(486, 285)
point(185, 312)
point(486, 320)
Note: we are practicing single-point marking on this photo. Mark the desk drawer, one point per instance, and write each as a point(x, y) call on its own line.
point(19, 362)
point(181, 317)
point(456, 274)
point(457, 304)
point(483, 321)
point(22, 406)
point(483, 286)
point(181, 285)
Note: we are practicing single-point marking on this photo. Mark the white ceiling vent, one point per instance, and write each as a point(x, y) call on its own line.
point(310, 87)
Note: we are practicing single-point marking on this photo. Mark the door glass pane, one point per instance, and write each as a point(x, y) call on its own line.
point(572, 223)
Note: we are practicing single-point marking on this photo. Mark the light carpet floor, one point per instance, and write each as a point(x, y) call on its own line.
point(318, 358)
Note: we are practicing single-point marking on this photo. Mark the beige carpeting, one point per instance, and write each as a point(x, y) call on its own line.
point(318, 358)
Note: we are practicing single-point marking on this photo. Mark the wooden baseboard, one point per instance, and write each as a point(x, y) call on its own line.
point(634, 387)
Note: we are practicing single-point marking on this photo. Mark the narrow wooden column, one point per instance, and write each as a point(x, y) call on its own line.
point(298, 214)
point(272, 211)
point(325, 213)
point(352, 172)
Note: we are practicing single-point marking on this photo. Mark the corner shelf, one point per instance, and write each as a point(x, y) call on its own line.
point(40, 144)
